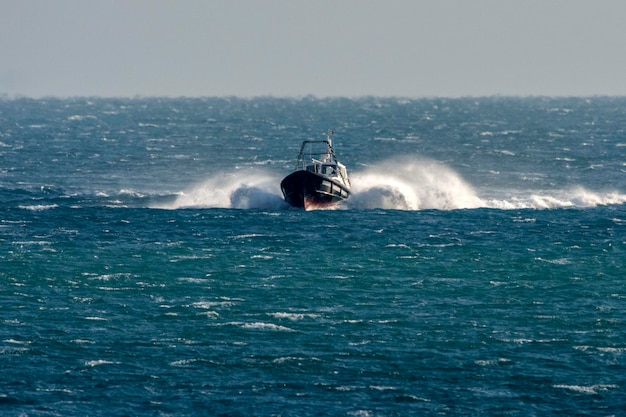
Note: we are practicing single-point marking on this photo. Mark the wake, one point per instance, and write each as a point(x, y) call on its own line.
point(408, 184)
point(396, 184)
point(249, 189)
point(572, 197)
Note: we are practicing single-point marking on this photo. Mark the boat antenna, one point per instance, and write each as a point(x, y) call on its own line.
point(329, 135)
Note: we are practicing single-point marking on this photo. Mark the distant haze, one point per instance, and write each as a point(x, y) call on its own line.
point(410, 48)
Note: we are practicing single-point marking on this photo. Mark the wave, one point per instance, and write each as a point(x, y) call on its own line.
point(249, 189)
point(396, 184)
point(573, 197)
point(410, 184)
point(38, 207)
point(420, 184)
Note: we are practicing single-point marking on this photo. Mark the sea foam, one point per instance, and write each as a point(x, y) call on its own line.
point(411, 184)
point(246, 189)
point(400, 183)
point(573, 197)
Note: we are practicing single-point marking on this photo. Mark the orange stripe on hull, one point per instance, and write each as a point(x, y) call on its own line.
point(310, 204)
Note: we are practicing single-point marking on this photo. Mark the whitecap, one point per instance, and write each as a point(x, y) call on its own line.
point(559, 261)
point(506, 152)
point(208, 305)
point(99, 362)
point(586, 389)
point(491, 362)
point(18, 342)
point(259, 326)
point(294, 359)
point(78, 117)
point(266, 326)
point(382, 388)
point(192, 280)
point(293, 316)
point(82, 341)
point(612, 349)
point(38, 207)
point(184, 362)
point(576, 197)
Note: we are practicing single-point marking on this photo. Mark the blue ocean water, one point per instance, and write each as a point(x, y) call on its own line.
point(149, 266)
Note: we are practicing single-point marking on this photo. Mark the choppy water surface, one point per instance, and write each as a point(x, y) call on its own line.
point(150, 266)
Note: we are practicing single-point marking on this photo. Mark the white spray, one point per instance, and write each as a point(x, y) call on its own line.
point(398, 184)
point(410, 184)
point(247, 189)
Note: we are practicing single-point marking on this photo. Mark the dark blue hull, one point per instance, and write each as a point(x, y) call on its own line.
point(305, 189)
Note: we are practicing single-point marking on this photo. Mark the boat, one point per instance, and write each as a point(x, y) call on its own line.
point(318, 180)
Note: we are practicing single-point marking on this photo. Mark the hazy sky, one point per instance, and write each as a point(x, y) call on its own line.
point(410, 48)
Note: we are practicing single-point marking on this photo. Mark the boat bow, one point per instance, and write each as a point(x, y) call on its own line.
point(319, 180)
